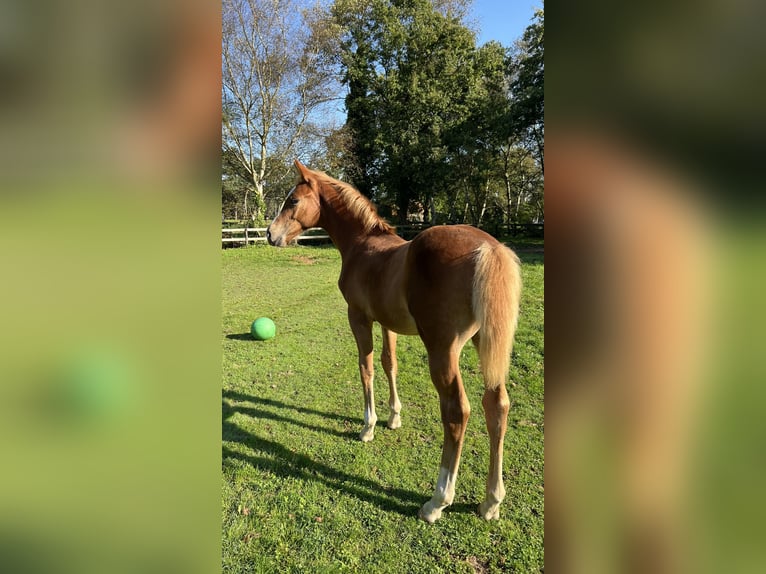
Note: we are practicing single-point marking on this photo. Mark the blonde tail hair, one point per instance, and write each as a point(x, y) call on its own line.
point(496, 295)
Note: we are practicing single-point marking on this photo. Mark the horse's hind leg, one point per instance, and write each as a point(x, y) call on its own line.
point(361, 326)
point(496, 405)
point(454, 410)
point(390, 366)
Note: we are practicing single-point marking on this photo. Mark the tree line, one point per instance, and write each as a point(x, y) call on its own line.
point(394, 96)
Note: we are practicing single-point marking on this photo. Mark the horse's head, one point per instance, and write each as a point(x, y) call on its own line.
point(299, 212)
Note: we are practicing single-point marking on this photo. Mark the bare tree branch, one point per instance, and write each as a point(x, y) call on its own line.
point(275, 80)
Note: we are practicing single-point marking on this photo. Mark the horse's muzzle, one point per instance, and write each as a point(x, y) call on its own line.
point(278, 241)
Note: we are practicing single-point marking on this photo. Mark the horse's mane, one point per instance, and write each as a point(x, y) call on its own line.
point(357, 205)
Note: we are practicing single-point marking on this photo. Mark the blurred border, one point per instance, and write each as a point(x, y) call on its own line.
point(655, 250)
point(110, 242)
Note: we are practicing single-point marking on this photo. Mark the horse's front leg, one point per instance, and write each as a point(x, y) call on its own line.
point(361, 326)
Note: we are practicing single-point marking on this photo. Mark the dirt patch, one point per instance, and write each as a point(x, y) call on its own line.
point(477, 565)
point(303, 260)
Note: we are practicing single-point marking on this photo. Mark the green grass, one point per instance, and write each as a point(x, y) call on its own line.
point(301, 493)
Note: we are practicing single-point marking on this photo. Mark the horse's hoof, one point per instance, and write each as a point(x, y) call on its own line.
point(367, 434)
point(394, 421)
point(430, 513)
point(489, 510)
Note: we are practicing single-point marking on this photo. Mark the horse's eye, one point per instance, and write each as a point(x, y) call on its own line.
point(293, 201)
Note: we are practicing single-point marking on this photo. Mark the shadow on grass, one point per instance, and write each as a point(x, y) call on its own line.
point(288, 462)
point(256, 413)
point(240, 337)
point(242, 398)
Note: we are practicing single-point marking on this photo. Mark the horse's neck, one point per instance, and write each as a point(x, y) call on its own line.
point(341, 225)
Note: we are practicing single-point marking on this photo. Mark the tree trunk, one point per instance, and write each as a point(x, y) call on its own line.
point(482, 211)
point(431, 211)
point(508, 199)
point(508, 187)
point(259, 178)
point(467, 206)
point(518, 204)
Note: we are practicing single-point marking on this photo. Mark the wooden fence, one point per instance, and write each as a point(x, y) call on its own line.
point(257, 234)
point(531, 229)
point(248, 235)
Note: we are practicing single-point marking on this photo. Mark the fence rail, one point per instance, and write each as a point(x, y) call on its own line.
point(257, 234)
point(249, 235)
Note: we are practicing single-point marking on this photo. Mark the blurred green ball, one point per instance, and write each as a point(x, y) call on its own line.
point(95, 383)
point(263, 328)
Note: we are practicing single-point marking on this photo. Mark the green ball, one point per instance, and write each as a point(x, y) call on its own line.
point(263, 328)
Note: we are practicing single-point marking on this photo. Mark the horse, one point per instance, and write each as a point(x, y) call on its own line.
point(451, 283)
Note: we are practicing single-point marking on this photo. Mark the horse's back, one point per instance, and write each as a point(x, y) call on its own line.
point(447, 242)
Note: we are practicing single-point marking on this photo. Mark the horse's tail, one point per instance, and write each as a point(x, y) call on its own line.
point(496, 295)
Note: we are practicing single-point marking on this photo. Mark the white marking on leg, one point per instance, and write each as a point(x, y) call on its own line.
point(445, 486)
point(395, 406)
point(370, 418)
point(490, 508)
point(443, 496)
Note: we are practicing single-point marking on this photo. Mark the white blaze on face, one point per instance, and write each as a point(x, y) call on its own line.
point(286, 198)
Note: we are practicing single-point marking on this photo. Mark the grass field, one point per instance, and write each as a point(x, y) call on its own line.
point(301, 493)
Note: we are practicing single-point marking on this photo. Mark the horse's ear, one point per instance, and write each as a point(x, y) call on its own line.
point(303, 171)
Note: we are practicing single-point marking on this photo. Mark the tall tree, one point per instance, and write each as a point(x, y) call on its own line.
point(275, 77)
point(407, 66)
point(527, 70)
point(434, 122)
point(474, 141)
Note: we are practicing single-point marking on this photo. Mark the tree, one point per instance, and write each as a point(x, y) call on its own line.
point(276, 77)
point(407, 66)
point(234, 186)
point(474, 141)
point(435, 123)
point(527, 70)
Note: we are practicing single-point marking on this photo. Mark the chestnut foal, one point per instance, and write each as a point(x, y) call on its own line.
point(448, 285)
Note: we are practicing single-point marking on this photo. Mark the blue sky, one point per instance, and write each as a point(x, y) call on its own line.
point(503, 20)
